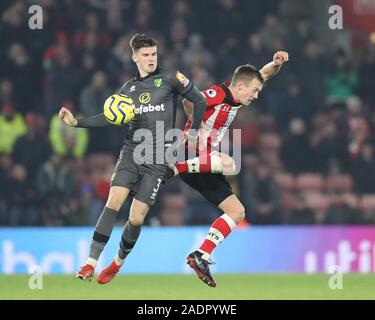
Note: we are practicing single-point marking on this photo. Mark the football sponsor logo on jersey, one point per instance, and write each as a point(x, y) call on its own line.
point(132, 88)
point(211, 93)
point(158, 82)
point(182, 79)
point(149, 108)
point(145, 97)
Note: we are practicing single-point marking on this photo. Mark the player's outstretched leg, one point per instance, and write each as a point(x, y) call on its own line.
point(100, 238)
point(201, 267)
point(86, 272)
point(213, 162)
point(129, 237)
point(128, 240)
point(103, 230)
point(220, 229)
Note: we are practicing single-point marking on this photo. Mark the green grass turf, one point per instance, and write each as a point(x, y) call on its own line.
point(185, 287)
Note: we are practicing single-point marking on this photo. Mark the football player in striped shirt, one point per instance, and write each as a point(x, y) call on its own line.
point(206, 172)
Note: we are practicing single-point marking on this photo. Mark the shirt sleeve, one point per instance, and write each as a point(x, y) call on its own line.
point(214, 95)
point(179, 82)
point(96, 121)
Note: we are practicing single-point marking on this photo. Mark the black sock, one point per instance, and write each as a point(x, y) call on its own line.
point(128, 239)
point(102, 232)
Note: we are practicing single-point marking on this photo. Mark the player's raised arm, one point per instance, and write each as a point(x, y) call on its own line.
point(272, 68)
point(184, 87)
point(91, 122)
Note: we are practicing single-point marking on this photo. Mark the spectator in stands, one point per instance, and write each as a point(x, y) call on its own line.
point(22, 208)
point(226, 13)
point(228, 57)
point(271, 31)
point(93, 96)
point(196, 55)
point(357, 126)
point(310, 69)
point(294, 106)
point(7, 95)
point(67, 141)
point(23, 74)
point(343, 81)
point(32, 149)
point(62, 80)
point(119, 60)
point(55, 186)
point(300, 214)
point(12, 126)
point(255, 52)
point(5, 169)
point(182, 10)
point(92, 27)
point(264, 195)
point(178, 34)
point(296, 152)
point(340, 212)
point(366, 75)
point(362, 168)
point(91, 49)
point(329, 146)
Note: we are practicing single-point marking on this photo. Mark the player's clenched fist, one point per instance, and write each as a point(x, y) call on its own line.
point(280, 57)
point(67, 117)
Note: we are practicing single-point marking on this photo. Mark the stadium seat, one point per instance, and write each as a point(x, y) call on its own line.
point(270, 141)
point(349, 199)
point(171, 213)
point(286, 181)
point(309, 182)
point(368, 202)
point(287, 201)
point(316, 201)
point(339, 182)
point(99, 162)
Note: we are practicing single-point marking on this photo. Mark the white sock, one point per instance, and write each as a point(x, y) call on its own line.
point(118, 260)
point(176, 173)
point(205, 255)
point(91, 262)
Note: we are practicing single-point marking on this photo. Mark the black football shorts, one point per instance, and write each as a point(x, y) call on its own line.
point(214, 187)
point(143, 180)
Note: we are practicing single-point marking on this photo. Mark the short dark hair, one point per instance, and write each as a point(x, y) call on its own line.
point(246, 72)
point(139, 41)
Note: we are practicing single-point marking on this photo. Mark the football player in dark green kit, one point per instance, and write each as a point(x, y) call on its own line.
point(154, 92)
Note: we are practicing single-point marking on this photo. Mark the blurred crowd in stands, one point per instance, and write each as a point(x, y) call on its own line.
point(307, 143)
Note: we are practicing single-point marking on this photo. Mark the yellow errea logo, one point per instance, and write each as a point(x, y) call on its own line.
point(145, 97)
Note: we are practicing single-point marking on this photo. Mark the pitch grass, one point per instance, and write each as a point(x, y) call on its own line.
point(185, 287)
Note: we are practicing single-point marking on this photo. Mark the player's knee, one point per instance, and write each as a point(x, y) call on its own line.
point(237, 213)
point(114, 202)
point(136, 219)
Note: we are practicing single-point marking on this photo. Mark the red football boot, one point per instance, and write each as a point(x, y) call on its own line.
point(108, 273)
point(86, 272)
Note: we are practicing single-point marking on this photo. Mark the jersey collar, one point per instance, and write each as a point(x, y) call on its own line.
point(139, 78)
point(228, 95)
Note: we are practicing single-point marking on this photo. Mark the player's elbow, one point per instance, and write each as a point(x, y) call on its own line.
point(201, 100)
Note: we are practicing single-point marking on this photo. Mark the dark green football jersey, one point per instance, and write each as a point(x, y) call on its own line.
point(155, 98)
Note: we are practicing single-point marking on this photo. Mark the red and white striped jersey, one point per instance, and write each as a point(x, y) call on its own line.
point(220, 113)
